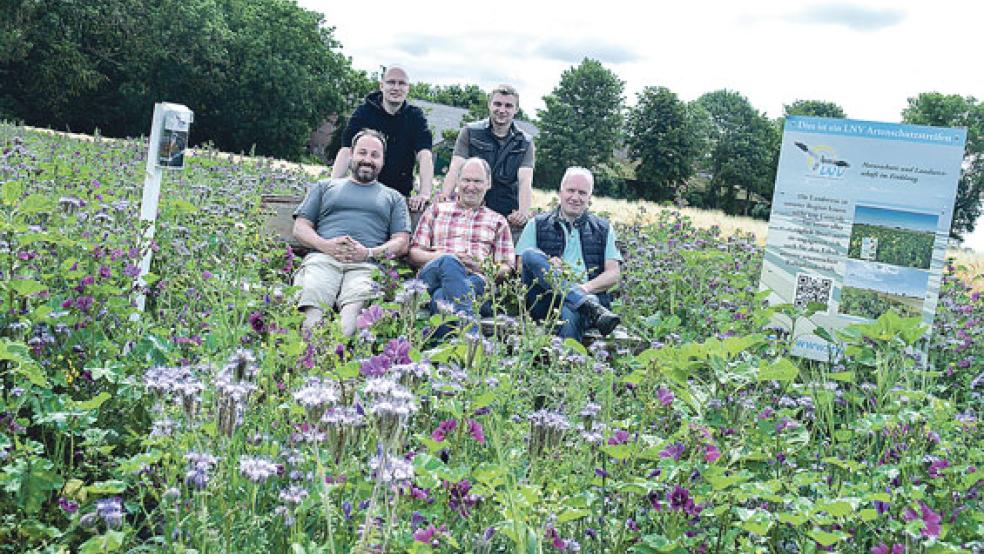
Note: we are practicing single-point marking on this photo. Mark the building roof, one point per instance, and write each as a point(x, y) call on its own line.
point(442, 117)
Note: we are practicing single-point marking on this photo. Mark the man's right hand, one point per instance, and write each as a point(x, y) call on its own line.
point(470, 262)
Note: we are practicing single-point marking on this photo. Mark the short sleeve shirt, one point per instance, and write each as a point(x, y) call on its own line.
point(370, 214)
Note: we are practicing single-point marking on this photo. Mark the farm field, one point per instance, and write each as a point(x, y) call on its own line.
point(210, 423)
point(872, 303)
point(902, 247)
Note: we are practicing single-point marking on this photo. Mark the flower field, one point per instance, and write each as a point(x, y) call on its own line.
point(209, 423)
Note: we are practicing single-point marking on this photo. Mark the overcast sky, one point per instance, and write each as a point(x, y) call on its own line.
point(868, 56)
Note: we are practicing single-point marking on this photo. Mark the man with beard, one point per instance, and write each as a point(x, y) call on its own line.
point(348, 223)
point(407, 135)
point(507, 149)
point(453, 238)
point(569, 261)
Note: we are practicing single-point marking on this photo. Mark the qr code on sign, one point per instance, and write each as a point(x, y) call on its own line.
point(810, 288)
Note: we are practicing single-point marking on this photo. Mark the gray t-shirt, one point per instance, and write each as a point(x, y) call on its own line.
point(370, 214)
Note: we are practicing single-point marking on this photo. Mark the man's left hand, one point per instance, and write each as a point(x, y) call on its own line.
point(517, 218)
point(417, 203)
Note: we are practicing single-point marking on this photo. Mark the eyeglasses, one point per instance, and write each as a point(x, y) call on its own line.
point(392, 83)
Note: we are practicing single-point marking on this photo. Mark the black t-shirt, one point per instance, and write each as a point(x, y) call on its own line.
point(406, 134)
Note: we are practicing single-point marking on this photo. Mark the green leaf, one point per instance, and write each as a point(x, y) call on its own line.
point(781, 370)
point(868, 514)
point(576, 346)
point(793, 519)
point(35, 204)
point(349, 370)
point(27, 287)
point(106, 487)
point(110, 542)
point(617, 451)
point(483, 400)
point(825, 538)
point(92, 403)
point(571, 515)
point(843, 376)
point(12, 191)
point(837, 508)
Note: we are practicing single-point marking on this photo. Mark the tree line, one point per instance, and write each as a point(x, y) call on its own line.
point(260, 75)
point(715, 152)
point(257, 73)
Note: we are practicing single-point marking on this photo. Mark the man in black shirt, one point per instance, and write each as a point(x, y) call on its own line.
point(407, 138)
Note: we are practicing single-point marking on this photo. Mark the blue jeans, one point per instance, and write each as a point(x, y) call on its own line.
point(544, 287)
point(448, 280)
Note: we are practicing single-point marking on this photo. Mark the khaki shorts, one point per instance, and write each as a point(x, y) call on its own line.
point(326, 282)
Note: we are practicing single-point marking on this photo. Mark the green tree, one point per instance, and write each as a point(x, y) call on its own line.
point(664, 136)
point(743, 150)
point(581, 122)
point(815, 108)
point(261, 72)
point(953, 110)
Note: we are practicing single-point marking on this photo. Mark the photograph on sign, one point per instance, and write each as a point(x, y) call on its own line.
point(871, 289)
point(860, 223)
point(172, 148)
point(893, 237)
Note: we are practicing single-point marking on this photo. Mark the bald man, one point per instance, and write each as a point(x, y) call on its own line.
point(408, 138)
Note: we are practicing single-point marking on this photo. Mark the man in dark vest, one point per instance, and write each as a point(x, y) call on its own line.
point(408, 138)
point(507, 149)
point(569, 261)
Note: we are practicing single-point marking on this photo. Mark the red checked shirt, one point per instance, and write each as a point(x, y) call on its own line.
point(480, 232)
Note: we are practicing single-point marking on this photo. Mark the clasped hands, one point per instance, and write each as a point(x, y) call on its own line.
point(346, 249)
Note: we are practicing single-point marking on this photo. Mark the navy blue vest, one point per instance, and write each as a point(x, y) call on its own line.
point(551, 237)
point(504, 158)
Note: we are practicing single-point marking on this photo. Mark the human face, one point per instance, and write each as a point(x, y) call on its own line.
point(575, 194)
point(502, 109)
point(395, 86)
point(472, 185)
point(367, 159)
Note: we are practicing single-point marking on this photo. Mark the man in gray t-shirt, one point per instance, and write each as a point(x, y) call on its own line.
point(348, 223)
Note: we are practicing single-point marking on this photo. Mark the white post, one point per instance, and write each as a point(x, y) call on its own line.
point(173, 121)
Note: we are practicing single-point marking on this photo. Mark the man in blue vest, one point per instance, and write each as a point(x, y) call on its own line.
point(569, 260)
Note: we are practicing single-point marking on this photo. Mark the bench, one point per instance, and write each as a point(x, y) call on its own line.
point(279, 212)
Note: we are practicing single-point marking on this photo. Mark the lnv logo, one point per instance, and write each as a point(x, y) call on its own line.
point(822, 161)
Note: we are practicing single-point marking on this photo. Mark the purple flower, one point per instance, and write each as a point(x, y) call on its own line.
point(620, 437)
point(206, 275)
point(476, 431)
point(69, 506)
point(105, 272)
point(674, 451)
point(257, 323)
point(665, 396)
point(881, 548)
point(427, 536)
point(131, 270)
point(931, 519)
point(443, 429)
point(935, 466)
point(398, 351)
point(375, 366)
point(370, 316)
point(111, 511)
point(679, 499)
point(84, 303)
point(711, 453)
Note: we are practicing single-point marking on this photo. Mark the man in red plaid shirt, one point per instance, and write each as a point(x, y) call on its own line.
point(453, 240)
